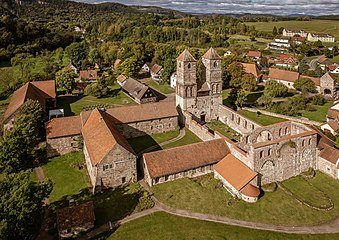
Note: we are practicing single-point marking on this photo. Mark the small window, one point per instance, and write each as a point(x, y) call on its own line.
point(156, 180)
point(123, 179)
point(189, 65)
point(111, 166)
point(179, 64)
point(269, 152)
point(309, 141)
point(215, 64)
point(303, 143)
point(166, 178)
point(261, 154)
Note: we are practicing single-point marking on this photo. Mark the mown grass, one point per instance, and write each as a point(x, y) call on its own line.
point(261, 118)
point(73, 105)
point(189, 138)
point(318, 115)
point(163, 88)
point(141, 143)
point(67, 177)
point(328, 26)
point(161, 225)
point(206, 195)
point(224, 130)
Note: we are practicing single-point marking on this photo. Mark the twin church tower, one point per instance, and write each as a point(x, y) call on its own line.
point(199, 97)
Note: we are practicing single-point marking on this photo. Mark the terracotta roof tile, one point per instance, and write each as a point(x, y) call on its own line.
point(254, 54)
point(179, 159)
point(251, 191)
point(121, 78)
point(334, 125)
point(143, 112)
point(333, 113)
point(89, 75)
point(75, 216)
point(32, 90)
point(211, 54)
point(331, 154)
point(186, 56)
point(156, 68)
point(234, 172)
point(63, 127)
point(101, 135)
point(278, 74)
point(251, 68)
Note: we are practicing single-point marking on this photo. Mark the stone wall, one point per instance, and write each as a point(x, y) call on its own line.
point(284, 159)
point(300, 120)
point(62, 145)
point(327, 168)
point(92, 170)
point(236, 121)
point(203, 132)
point(137, 129)
point(196, 172)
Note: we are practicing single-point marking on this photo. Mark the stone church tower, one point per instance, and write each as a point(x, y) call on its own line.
point(199, 97)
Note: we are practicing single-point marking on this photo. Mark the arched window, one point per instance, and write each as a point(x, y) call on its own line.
point(309, 141)
point(303, 143)
point(189, 65)
point(286, 130)
point(269, 152)
point(188, 91)
point(280, 132)
point(179, 64)
point(215, 64)
point(261, 154)
point(245, 124)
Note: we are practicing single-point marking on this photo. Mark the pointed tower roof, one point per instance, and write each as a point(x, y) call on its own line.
point(211, 54)
point(186, 56)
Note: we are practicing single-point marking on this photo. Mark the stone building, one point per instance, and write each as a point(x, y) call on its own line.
point(186, 161)
point(110, 160)
point(139, 92)
point(42, 91)
point(201, 98)
point(63, 135)
point(329, 85)
point(75, 219)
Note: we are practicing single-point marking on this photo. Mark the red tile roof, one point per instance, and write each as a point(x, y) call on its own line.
point(251, 68)
point(255, 54)
point(211, 54)
point(179, 159)
point(235, 172)
point(40, 91)
point(251, 191)
point(278, 74)
point(314, 79)
point(333, 113)
point(143, 112)
point(330, 154)
point(156, 68)
point(75, 216)
point(101, 135)
point(186, 56)
point(63, 127)
point(121, 78)
point(89, 75)
point(334, 125)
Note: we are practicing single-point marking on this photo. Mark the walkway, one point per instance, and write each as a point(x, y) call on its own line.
point(328, 227)
point(182, 134)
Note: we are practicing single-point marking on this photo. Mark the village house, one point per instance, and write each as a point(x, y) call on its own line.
point(252, 68)
point(42, 91)
point(88, 76)
point(323, 37)
point(280, 44)
point(186, 161)
point(78, 88)
point(121, 79)
point(156, 72)
point(287, 61)
point(334, 68)
point(294, 32)
point(173, 80)
point(333, 113)
point(146, 68)
point(71, 66)
point(329, 85)
point(138, 91)
point(324, 62)
point(116, 64)
point(75, 219)
point(331, 126)
point(254, 55)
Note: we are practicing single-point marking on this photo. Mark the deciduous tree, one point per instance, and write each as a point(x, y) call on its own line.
point(275, 89)
point(64, 78)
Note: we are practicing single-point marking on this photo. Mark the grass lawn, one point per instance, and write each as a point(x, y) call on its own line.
point(241, 40)
point(73, 105)
point(253, 96)
point(262, 118)
point(163, 88)
point(141, 143)
point(328, 26)
point(224, 130)
point(66, 177)
point(164, 226)
point(206, 195)
point(318, 115)
point(189, 138)
point(336, 59)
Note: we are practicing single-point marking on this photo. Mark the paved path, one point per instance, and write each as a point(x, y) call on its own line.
point(328, 227)
point(182, 134)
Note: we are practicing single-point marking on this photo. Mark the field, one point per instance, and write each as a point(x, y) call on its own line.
point(318, 115)
point(261, 118)
point(162, 88)
point(167, 226)
point(241, 40)
point(328, 26)
point(206, 195)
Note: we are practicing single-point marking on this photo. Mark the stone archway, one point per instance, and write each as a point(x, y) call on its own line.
point(264, 136)
point(327, 92)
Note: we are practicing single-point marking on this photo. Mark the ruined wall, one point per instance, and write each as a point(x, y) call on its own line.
point(236, 121)
point(137, 129)
point(62, 145)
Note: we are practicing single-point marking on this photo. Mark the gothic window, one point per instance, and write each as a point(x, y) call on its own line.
point(217, 88)
point(192, 93)
point(238, 122)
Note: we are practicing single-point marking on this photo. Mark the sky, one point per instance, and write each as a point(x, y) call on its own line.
point(277, 7)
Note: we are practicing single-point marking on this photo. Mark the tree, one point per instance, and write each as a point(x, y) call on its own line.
point(77, 52)
point(248, 82)
point(303, 66)
point(241, 98)
point(263, 62)
point(20, 205)
point(318, 100)
point(98, 89)
point(23, 61)
point(275, 31)
point(298, 102)
point(64, 78)
point(305, 85)
point(130, 67)
point(275, 89)
point(264, 101)
point(239, 78)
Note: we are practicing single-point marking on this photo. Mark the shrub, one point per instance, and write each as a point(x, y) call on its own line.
point(318, 100)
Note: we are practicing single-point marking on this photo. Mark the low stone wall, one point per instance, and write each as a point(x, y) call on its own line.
point(236, 121)
point(62, 145)
point(203, 132)
point(300, 120)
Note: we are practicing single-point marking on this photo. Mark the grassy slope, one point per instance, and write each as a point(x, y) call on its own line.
point(206, 195)
point(262, 118)
point(328, 26)
point(164, 226)
point(163, 88)
point(189, 138)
